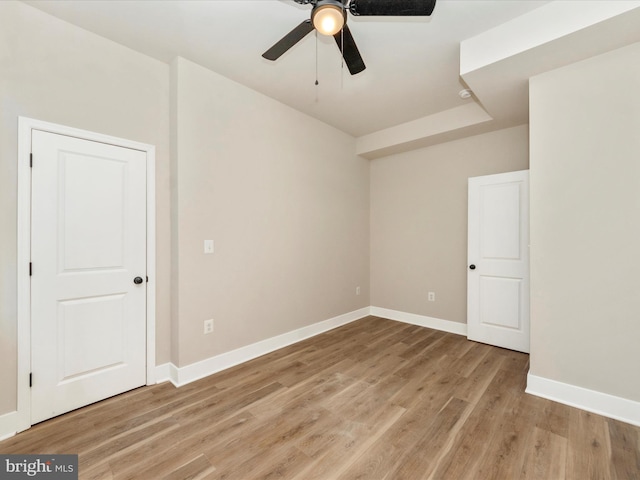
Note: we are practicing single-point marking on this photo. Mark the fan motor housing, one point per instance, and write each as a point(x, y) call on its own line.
point(320, 4)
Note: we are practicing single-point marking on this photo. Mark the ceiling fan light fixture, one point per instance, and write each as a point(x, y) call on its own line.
point(328, 17)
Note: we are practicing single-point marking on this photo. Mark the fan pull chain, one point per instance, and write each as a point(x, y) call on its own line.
point(342, 56)
point(317, 83)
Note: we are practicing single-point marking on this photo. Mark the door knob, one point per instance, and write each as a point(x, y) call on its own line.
point(137, 280)
point(472, 267)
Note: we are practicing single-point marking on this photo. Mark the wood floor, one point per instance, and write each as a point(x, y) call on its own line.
point(373, 400)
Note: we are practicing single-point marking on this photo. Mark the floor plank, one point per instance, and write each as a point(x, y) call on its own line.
point(547, 458)
point(374, 399)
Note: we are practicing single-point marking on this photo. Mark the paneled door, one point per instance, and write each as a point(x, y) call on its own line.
point(498, 260)
point(88, 283)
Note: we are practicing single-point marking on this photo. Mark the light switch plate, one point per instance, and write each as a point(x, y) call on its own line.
point(208, 246)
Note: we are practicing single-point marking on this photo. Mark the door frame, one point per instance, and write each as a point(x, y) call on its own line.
point(25, 129)
point(473, 255)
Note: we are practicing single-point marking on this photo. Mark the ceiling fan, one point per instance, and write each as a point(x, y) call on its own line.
point(329, 17)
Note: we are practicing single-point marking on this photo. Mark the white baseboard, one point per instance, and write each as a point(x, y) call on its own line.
point(590, 400)
point(163, 372)
point(182, 375)
point(421, 320)
point(8, 425)
point(601, 403)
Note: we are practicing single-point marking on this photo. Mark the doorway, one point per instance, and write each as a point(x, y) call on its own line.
point(86, 252)
point(498, 260)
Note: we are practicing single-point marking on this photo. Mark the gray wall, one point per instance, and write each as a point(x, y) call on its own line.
point(585, 224)
point(286, 201)
point(419, 220)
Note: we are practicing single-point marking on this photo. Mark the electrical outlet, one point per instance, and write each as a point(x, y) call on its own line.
point(208, 326)
point(432, 296)
point(357, 290)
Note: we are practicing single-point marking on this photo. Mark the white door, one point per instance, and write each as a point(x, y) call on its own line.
point(88, 244)
point(498, 260)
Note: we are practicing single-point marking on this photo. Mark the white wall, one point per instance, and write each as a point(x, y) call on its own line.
point(585, 224)
point(52, 71)
point(286, 201)
point(419, 220)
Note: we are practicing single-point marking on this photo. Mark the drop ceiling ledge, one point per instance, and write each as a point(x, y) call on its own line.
point(498, 63)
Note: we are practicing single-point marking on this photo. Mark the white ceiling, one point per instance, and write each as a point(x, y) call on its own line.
point(413, 65)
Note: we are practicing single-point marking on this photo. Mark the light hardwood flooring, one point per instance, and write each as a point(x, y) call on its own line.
point(372, 400)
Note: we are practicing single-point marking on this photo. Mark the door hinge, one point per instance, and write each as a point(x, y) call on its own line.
point(31, 160)
point(31, 380)
point(30, 269)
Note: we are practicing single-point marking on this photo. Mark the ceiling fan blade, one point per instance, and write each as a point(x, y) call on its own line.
point(399, 8)
point(349, 50)
point(289, 40)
